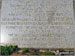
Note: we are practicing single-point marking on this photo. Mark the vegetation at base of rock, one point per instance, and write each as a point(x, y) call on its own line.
point(25, 51)
point(36, 52)
point(7, 50)
point(46, 53)
point(12, 50)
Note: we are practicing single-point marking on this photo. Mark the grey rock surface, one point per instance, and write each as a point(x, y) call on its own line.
point(38, 23)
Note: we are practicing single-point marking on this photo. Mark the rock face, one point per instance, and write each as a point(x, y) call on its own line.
point(38, 23)
point(0, 19)
point(74, 8)
point(0, 7)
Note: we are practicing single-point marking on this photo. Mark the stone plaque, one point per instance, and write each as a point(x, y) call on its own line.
point(38, 23)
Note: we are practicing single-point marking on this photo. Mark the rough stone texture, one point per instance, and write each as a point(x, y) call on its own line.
point(0, 19)
point(43, 30)
point(0, 7)
point(74, 8)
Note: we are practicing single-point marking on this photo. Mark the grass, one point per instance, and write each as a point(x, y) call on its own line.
point(7, 50)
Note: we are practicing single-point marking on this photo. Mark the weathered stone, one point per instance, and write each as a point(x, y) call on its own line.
point(38, 23)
